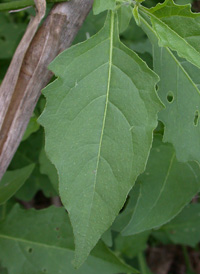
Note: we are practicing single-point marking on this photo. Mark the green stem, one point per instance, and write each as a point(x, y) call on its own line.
point(187, 259)
point(142, 263)
point(20, 4)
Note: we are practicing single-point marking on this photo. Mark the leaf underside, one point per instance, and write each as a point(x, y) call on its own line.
point(99, 119)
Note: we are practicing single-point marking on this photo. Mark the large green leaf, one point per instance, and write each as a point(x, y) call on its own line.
point(178, 28)
point(12, 181)
point(166, 187)
point(184, 229)
point(42, 242)
point(99, 119)
point(179, 91)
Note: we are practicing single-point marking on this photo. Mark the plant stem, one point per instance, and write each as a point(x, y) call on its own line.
point(187, 259)
point(142, 263)
point(20, 4)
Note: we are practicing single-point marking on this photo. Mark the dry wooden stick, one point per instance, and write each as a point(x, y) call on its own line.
point(22, 84)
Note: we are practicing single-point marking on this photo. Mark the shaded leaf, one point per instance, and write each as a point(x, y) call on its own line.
point(12, 181)
point(42, 242)
point(178, 28)
point(27, 153)
point(184, 229)
point(102, 5)
point(166, 187)
point(107, 238)
point(98, 121)
point(123, 218)
point(10, 34)
point(32, 127)
point(130, 246)
point(47, 168)
point(124, 17)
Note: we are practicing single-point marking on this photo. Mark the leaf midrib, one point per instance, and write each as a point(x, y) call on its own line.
point(105, 110)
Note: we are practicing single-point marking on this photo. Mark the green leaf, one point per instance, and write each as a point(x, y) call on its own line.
point(41, 241)
point(178, 28)
point(47, 168)
point(130, 246)
point(123, 218)
point(10, 34)
point(124, 17)
point(181, 96)
point(32, 127)
point(102, 5)
point(184, 229)
point(166, 187)
point(179, 90)
point(12, 181)
point(98, 121)
point(27, 153)
point(107, 238)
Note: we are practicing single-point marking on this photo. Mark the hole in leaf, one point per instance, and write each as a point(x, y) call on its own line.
point(30, 250)
point(57, 228)
point(170, 97)
point(196, 118)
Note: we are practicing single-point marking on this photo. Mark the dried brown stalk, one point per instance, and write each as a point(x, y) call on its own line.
point(28, 72)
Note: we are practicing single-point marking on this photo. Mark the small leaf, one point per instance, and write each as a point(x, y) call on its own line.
point(124, 17)
point(47, 168)
point(42, 242)
point(32, 127)
point(99, 120)
point(178, 28)
point(130, 246)
point(184, 229)
point(102, 5)
point(166, 187)
point(12, 181)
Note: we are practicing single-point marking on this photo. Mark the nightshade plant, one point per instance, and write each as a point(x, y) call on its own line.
point(117, 124)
